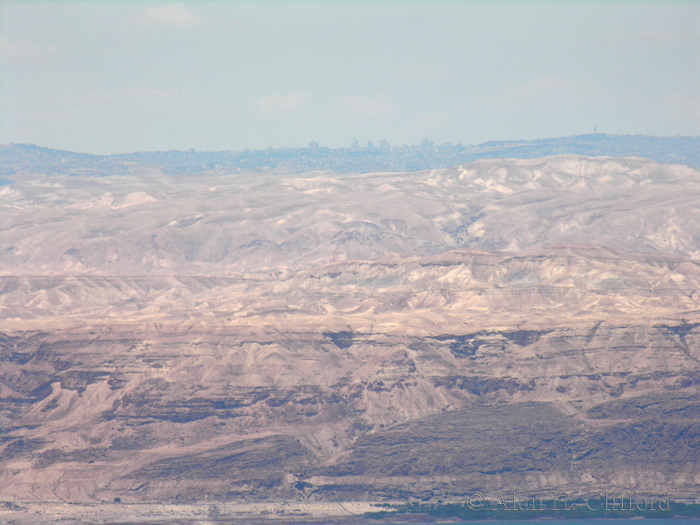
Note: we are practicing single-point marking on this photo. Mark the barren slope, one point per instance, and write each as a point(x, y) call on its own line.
point(505, 324)
point(152, 223)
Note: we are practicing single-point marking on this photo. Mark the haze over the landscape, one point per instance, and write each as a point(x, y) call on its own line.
point(270, 346)
point(115, 77)
point(333, 262)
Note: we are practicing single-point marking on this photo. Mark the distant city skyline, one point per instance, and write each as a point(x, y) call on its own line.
point(116, 77)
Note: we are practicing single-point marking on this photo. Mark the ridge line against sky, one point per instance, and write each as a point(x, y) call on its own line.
point(112, 77)
point(426, 143)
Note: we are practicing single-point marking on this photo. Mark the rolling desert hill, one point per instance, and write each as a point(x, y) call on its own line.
point(529, 325)
point(149, 222)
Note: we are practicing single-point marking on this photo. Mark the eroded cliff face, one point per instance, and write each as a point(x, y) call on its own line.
point(427, 370)
point(267, 408)
point(90, 416)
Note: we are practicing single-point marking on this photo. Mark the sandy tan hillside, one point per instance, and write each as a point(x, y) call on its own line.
point(148, 222)
point(529, 324)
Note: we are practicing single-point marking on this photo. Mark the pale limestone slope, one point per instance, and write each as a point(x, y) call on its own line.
point(226, 225)
point(506, 324)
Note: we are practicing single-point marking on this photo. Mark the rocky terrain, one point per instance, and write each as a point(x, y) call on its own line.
point(529, 325)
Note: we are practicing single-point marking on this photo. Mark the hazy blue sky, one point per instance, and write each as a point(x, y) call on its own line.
point(110, 77)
